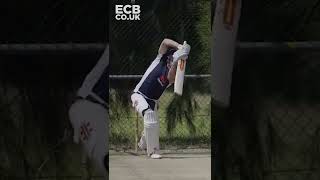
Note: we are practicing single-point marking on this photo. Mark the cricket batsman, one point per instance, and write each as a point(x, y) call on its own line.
point(89, 115)
point(159, 76)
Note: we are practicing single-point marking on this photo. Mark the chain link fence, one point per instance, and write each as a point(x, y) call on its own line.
point(35, 95)
point(126, 125)
point(297, 126)
point(272, 128)
point(292, 116)
point(134, 45)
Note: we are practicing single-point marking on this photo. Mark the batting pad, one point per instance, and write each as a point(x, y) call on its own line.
point(151, 130)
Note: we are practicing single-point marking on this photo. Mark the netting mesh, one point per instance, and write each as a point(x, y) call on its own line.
point(134, 45)
point(272, 131)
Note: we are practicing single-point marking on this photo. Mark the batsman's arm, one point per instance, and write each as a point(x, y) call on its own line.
point(167, 43)
point(172, 72)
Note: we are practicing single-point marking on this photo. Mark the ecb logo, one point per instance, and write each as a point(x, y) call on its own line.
point(127, 12)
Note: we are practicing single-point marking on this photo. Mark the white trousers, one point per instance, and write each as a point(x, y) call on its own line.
point(140, 104)
point(150, 135)
point(90, 124)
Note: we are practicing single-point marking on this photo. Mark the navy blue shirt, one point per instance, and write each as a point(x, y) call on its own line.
point(154, 81)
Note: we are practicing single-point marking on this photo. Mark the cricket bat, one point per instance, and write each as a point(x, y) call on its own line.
point(178, 82)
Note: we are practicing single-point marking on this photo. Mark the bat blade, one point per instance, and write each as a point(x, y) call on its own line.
point(179, 79)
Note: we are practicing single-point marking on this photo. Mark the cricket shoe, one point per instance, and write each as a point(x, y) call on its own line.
point(156, 155)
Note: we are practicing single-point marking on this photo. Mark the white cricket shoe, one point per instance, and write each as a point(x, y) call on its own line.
point(156, 156)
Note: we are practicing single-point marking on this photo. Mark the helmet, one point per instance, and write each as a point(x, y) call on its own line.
point(167, 57)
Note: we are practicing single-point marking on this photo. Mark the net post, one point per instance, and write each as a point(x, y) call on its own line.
point(136, 133)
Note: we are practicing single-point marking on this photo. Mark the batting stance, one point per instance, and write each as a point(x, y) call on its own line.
point(89, 115)
point(159, 75)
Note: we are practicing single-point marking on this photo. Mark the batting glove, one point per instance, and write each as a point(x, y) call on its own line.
point(182, 52)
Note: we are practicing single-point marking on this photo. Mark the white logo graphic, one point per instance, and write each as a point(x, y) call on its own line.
point(127, 12)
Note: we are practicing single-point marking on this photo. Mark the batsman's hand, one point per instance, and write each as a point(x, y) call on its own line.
point(182, 52)
point(186, 47)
